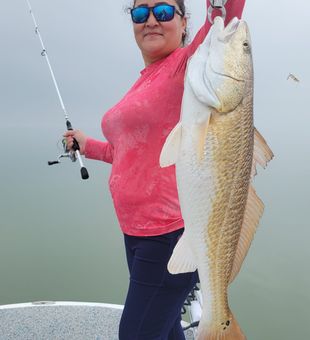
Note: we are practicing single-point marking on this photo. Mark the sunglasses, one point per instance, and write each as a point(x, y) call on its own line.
point(161, 12)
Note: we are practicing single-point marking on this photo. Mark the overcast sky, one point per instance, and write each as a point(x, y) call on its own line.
point(95, 59)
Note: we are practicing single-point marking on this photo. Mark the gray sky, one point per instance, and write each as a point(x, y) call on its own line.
point(95, 60)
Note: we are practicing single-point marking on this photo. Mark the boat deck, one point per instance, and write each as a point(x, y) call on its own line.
point(61, 321)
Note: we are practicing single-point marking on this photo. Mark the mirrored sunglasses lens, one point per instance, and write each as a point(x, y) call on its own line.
point(163, 12)
point(140, 14)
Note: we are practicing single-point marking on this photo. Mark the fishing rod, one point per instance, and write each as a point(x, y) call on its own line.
point(75, 154)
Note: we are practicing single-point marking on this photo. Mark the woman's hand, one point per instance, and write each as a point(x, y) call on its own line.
point(79, 136)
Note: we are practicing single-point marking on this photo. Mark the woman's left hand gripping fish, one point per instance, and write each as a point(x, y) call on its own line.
point(215, 148)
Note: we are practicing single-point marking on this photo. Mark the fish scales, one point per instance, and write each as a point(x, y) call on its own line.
point(234, 135)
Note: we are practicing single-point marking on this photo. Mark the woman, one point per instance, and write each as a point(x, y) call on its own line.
point(145, 195)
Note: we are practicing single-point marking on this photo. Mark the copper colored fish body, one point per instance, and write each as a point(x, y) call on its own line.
point(215, 148)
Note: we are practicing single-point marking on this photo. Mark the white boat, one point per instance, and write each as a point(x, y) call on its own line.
point(51, 320)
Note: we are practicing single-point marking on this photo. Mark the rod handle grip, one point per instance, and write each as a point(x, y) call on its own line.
point(84, 173)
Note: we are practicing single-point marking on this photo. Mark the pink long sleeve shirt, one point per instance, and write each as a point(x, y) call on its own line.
point(144, 194)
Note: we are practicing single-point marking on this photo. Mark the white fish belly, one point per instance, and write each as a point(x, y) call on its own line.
point(195, 181)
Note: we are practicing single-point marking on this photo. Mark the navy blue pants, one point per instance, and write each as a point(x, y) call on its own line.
point(155, 297)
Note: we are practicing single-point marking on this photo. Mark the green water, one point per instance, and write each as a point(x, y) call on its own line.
point(60, 239)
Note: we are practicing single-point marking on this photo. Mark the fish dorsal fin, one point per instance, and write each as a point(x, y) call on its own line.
point(253, 211)
point(170, 151)
point(262, 152)
point(182, 259)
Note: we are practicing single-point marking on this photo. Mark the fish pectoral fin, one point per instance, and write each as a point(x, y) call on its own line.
point(262, 153)
point(182, 259)
point(170, 151)
point(253, 211)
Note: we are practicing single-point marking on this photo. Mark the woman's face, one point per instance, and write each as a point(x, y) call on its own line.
point(158, 39)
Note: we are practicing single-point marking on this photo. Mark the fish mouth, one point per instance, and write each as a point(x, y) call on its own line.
point(224, 35)
point(215, 96)
point(213, 91)
point(225, 75)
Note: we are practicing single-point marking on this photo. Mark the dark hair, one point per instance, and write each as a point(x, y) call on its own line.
point(181, 5)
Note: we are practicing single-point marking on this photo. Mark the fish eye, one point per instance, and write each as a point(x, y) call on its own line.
point(246, 46)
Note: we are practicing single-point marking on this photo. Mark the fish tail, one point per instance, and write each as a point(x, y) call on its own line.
point(229, 330)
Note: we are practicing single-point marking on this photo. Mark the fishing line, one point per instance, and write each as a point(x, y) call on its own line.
point(75, 154)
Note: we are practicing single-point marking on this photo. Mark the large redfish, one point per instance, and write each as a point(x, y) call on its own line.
point(215, 148)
